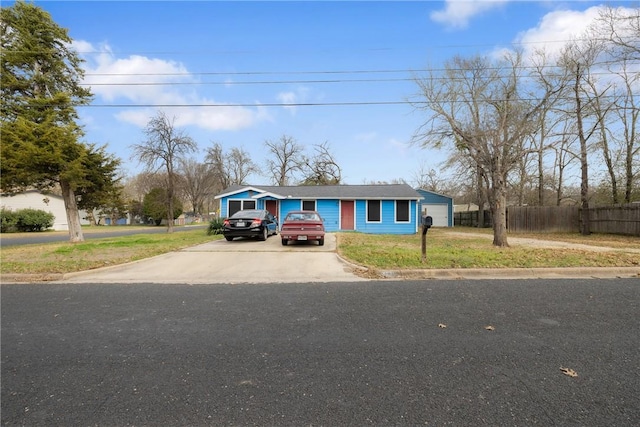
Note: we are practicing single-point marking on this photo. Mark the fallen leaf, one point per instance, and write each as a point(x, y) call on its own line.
point(570, 372)
point(490, 328)
point(442, 325)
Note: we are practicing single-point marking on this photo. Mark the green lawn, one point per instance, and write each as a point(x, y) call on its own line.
point(446, 248)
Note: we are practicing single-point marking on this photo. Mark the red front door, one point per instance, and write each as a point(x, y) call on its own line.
point(346, 214)
point(272, 207)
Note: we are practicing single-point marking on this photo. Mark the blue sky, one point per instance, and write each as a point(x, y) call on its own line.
point(226, 70)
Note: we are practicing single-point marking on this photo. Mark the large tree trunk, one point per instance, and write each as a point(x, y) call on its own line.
point(73, 216)
point(170, 212)
point(498, 200)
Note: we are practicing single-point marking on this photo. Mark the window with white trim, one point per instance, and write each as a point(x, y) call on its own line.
point(374, 211)
point(236, 205)
point(402, 211)
point(309, 205)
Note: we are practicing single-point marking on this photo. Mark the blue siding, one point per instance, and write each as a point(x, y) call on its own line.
point(387, 224)
point(329, 209)
point(245, 195)
point(430, 198)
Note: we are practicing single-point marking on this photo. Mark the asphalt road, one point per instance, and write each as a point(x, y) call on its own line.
point(49, 237)
point(353, 353)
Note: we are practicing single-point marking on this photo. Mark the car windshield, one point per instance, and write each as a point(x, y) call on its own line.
point(302, 216)
point(247, 214)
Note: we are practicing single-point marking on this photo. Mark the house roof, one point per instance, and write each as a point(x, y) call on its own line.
point(380, 191)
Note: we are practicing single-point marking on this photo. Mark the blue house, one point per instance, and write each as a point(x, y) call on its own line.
point(380, 209)
point(439, 207)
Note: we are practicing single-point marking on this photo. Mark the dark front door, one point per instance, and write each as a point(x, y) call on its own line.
point(272, 207)
point(346, 214)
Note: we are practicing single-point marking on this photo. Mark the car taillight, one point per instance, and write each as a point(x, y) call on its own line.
point(256, 222)
point(225, 222)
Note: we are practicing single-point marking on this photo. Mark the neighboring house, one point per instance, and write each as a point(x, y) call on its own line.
point(379, 209)
point(468, 207)
point(437, 206)
point(47, 202)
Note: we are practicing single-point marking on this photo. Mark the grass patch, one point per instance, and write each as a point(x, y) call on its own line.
point(70, 257)
point(445, 249)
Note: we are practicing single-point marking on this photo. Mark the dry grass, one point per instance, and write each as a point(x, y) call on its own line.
point(69, 257)
point(447, 248)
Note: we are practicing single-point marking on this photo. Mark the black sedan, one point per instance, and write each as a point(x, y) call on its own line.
point(257, 223)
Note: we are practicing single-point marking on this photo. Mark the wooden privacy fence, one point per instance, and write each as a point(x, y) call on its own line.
point(470, 219)
point(527, 219)
point(624, 219)
point(620, 219)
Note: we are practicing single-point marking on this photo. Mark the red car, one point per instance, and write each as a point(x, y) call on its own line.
point(302, 226)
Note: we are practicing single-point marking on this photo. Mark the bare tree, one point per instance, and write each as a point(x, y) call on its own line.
point(429, 179)
point(285, 160)
point(162, 149)
point(322, 168)
point(478, 108)
point(198, 182)
point(577, 60)
point(231, 168)
point(621, 28)
point(627, 113)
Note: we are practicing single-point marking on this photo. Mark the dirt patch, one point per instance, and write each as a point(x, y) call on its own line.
point(552, 244)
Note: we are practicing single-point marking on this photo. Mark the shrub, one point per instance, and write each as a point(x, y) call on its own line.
point(34, 220)
point(8, 220)
point(215, 226)
point(155, 203)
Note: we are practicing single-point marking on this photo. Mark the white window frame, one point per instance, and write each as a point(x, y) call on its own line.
point(395, 213)
point(379, 212)
point(242, 202)
point(315, 205)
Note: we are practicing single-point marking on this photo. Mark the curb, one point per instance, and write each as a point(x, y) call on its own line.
point(423, 274)
point(516, 273)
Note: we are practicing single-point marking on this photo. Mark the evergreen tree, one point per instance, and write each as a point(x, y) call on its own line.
point(40, 89)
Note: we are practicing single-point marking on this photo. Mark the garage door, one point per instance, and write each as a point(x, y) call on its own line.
point(439, 213)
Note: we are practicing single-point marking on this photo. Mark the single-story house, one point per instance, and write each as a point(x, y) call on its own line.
point(438, 206)
point(379, 209)
point(33, 199)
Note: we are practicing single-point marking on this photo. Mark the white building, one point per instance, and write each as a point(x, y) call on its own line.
point(34, 199)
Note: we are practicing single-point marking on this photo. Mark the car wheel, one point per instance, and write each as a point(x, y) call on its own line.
point(265, 234)
point(229, 238)
point(321, 242)
point(284, 242)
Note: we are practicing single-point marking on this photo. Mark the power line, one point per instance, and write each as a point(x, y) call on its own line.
point(246, 105)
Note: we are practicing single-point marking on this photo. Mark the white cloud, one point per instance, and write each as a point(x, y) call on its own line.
point(299, 95)
point(288, 98)
point(398, 147)
point(458, 13)
point(156, 82)
point(557, 28)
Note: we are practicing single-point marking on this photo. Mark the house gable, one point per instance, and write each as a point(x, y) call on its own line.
point(438, 206)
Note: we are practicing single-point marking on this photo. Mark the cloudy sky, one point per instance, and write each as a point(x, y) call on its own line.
point(240, 73)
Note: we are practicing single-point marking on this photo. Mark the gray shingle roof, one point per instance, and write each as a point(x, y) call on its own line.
point(381, 191)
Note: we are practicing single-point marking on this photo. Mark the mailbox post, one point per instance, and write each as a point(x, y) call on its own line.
point(427, 222)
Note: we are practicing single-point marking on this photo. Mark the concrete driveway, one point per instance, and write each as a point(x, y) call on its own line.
point(238, 261)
